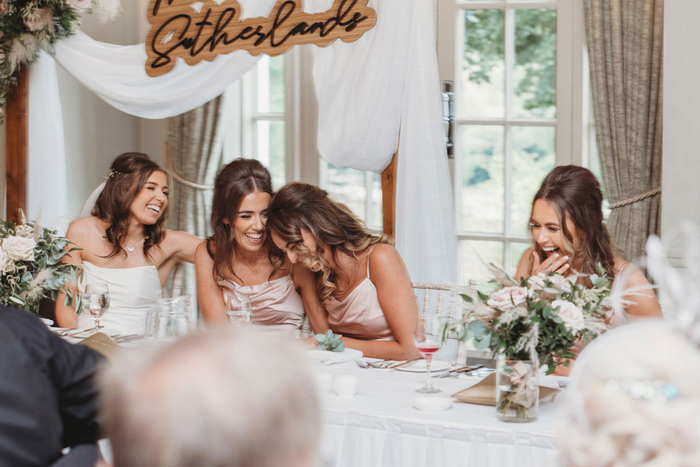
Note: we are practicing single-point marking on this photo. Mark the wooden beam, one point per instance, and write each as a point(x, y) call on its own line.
point(17, 146)
point(389, 196)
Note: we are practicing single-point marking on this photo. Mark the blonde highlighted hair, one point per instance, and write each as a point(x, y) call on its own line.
point(301, 207)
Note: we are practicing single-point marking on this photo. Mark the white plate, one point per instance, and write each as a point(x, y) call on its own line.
point(326, 357)
point(419, 366)
point(111, 332)
point(46, 321)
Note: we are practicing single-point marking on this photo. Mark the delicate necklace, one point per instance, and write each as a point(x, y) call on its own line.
point(254, 271)
point(133, 247)
point(349, 281)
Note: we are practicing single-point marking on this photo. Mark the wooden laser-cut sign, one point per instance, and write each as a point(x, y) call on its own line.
point(197, 30)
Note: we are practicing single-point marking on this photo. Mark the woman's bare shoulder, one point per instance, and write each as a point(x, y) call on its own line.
point(86, 228)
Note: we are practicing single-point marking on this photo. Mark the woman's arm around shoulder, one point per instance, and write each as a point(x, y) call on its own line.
point(209, 294)
point(644, 302)
point(180, 246)
point(78, 233)
point(305, 283)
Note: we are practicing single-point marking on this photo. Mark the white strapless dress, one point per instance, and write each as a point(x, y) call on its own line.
point(132, 293)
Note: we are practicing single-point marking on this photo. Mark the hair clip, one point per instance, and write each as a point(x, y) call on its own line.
point(652, 391)
point(110, 174)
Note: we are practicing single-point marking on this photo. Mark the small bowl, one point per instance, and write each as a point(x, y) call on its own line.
point(432, 404)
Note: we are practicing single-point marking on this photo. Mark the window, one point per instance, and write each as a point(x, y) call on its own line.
point(360, 191)
point(517, 82)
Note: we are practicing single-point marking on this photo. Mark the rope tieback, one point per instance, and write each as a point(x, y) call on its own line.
point(171, 170)
point(637, 198)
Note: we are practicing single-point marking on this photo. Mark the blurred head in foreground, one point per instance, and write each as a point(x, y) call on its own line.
point(635, 400)
point(212, 399)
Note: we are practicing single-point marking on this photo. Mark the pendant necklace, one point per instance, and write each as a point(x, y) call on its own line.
point(130, 249)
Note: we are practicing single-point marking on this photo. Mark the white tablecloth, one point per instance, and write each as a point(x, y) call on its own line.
point(380, 427)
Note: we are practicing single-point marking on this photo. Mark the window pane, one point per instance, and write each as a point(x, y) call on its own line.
point(482, 179)
point(474, 255)
point(535, 68)
point(376, 221)
point(347, 186)
point(482, 74)
point(516, 252)
point(270, 84)
point(532, 160)
point(270, 146)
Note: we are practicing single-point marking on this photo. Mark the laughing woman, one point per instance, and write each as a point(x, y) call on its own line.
point(125, 244)
point(237, 262)
point(569, 235)
point(360, 279)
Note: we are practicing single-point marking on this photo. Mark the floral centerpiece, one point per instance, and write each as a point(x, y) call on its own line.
point(538, 320)
point(27, 26)
point(31, 267)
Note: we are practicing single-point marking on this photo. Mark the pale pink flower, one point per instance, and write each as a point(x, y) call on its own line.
point(19, 248)
point(570, 314)
point(39, 19)
point(79, 5)
point(536, 282)
point(507, 297)
point(560, 282)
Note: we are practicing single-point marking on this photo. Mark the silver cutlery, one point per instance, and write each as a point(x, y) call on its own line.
point(362, 364)
point(74, 332)
point(563, 383)
point(128, 338)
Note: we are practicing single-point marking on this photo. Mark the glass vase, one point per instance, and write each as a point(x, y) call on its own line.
point(517, 390)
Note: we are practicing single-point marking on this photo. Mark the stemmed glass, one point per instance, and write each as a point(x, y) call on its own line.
point(238, 312)
point(428, 340)
point(96, 301)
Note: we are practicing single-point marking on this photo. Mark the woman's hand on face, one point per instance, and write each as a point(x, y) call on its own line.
point(554, 263)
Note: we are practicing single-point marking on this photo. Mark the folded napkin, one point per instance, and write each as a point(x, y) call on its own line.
point(484, 392)
point(325, 357)
point(102, 343)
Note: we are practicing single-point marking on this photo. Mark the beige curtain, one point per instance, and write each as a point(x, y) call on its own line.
point(195, 142)
point(625, 45)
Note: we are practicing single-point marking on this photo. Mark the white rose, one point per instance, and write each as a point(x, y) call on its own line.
point(3, 261)
point(536, 282)
point(19, 248)
point(79, 5)
point(507, 297)
point(560, 282)
point(570, 314)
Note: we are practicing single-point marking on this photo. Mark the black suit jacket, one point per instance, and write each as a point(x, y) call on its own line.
point(47, 397)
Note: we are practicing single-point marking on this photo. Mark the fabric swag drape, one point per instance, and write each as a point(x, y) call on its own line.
point(390, 87)
point(625, 45)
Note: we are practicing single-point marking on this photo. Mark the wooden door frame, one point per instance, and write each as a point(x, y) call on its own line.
point(17, 146)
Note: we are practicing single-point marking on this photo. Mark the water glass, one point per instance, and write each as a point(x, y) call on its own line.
point(173, 318)
point(238, 312)
point(96, 302)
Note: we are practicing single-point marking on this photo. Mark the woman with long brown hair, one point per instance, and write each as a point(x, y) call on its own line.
point(569, 236)
point(238, 262)
point(359, 278)
point(126, 245)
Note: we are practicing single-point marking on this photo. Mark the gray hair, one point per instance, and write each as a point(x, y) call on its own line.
point(212, 399)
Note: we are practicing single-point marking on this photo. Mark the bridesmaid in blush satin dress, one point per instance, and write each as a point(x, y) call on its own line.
point(125, 244)
point(238, 262)
point(358, 278)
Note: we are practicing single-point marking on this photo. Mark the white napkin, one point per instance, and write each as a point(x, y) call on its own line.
point(325, 357)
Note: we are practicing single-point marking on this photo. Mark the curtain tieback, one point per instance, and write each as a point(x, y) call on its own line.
point(637, 198)
point(169, 168)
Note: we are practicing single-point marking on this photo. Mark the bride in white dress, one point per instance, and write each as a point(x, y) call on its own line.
point(125, 245)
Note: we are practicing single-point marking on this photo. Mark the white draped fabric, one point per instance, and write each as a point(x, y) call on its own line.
point(369, 92)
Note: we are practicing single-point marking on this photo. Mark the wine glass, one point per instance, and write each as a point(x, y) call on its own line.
point(428, 340)
point(96, 301)
point(238, 312)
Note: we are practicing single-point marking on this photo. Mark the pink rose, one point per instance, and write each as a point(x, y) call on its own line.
point(536, 282)
point(19, 248)
point(507, 297)
point(79, 5)
point(560, 282)
point(39, 19)
point(570, 314)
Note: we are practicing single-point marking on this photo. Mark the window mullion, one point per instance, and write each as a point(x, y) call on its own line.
point(509, 66)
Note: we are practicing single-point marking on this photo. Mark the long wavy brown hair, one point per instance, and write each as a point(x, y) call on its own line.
point(300, 206)
point(127, 176)
point(574, 193)
point(234, 182)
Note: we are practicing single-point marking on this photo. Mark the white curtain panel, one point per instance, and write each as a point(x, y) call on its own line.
point(369, 92)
